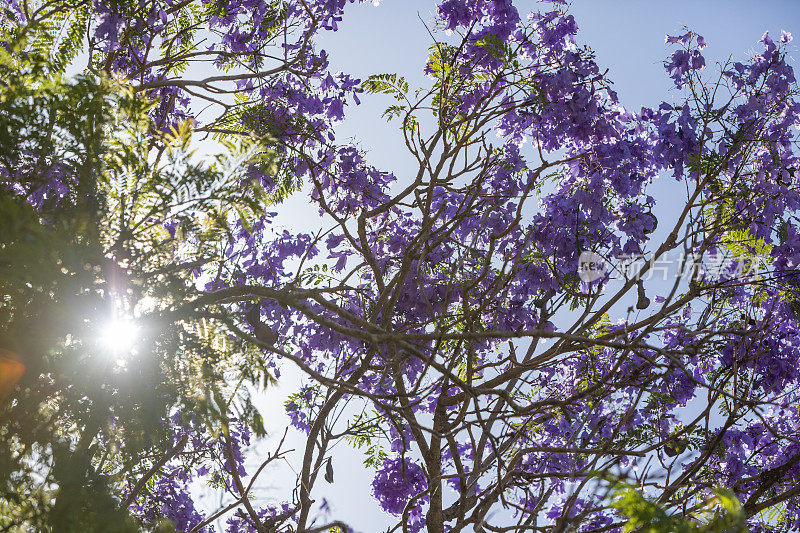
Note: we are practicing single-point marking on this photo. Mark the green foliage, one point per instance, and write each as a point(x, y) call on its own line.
point(496, 47)
point(721, 512)
point(56, 32)
point(390, 84)
point(52, 284)
point(441, 62)
point(364, 433)
point(396, 87)
point(87, 187)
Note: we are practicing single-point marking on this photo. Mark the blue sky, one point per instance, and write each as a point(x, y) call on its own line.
point(628, 37)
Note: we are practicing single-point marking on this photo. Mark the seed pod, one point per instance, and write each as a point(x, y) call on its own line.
point(261, 331)
point(265, 334)
point(329, 471)
point(644, 301)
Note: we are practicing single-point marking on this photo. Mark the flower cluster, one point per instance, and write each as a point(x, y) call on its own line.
point(399, 487)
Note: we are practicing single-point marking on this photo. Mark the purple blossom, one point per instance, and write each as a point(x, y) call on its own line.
point(395, 484)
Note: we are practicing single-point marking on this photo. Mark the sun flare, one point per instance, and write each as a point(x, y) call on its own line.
point(120, 335)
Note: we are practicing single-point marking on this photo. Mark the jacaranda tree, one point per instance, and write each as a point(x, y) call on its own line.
point(519, 334)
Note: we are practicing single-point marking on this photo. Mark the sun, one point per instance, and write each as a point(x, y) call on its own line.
point(120, 335)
